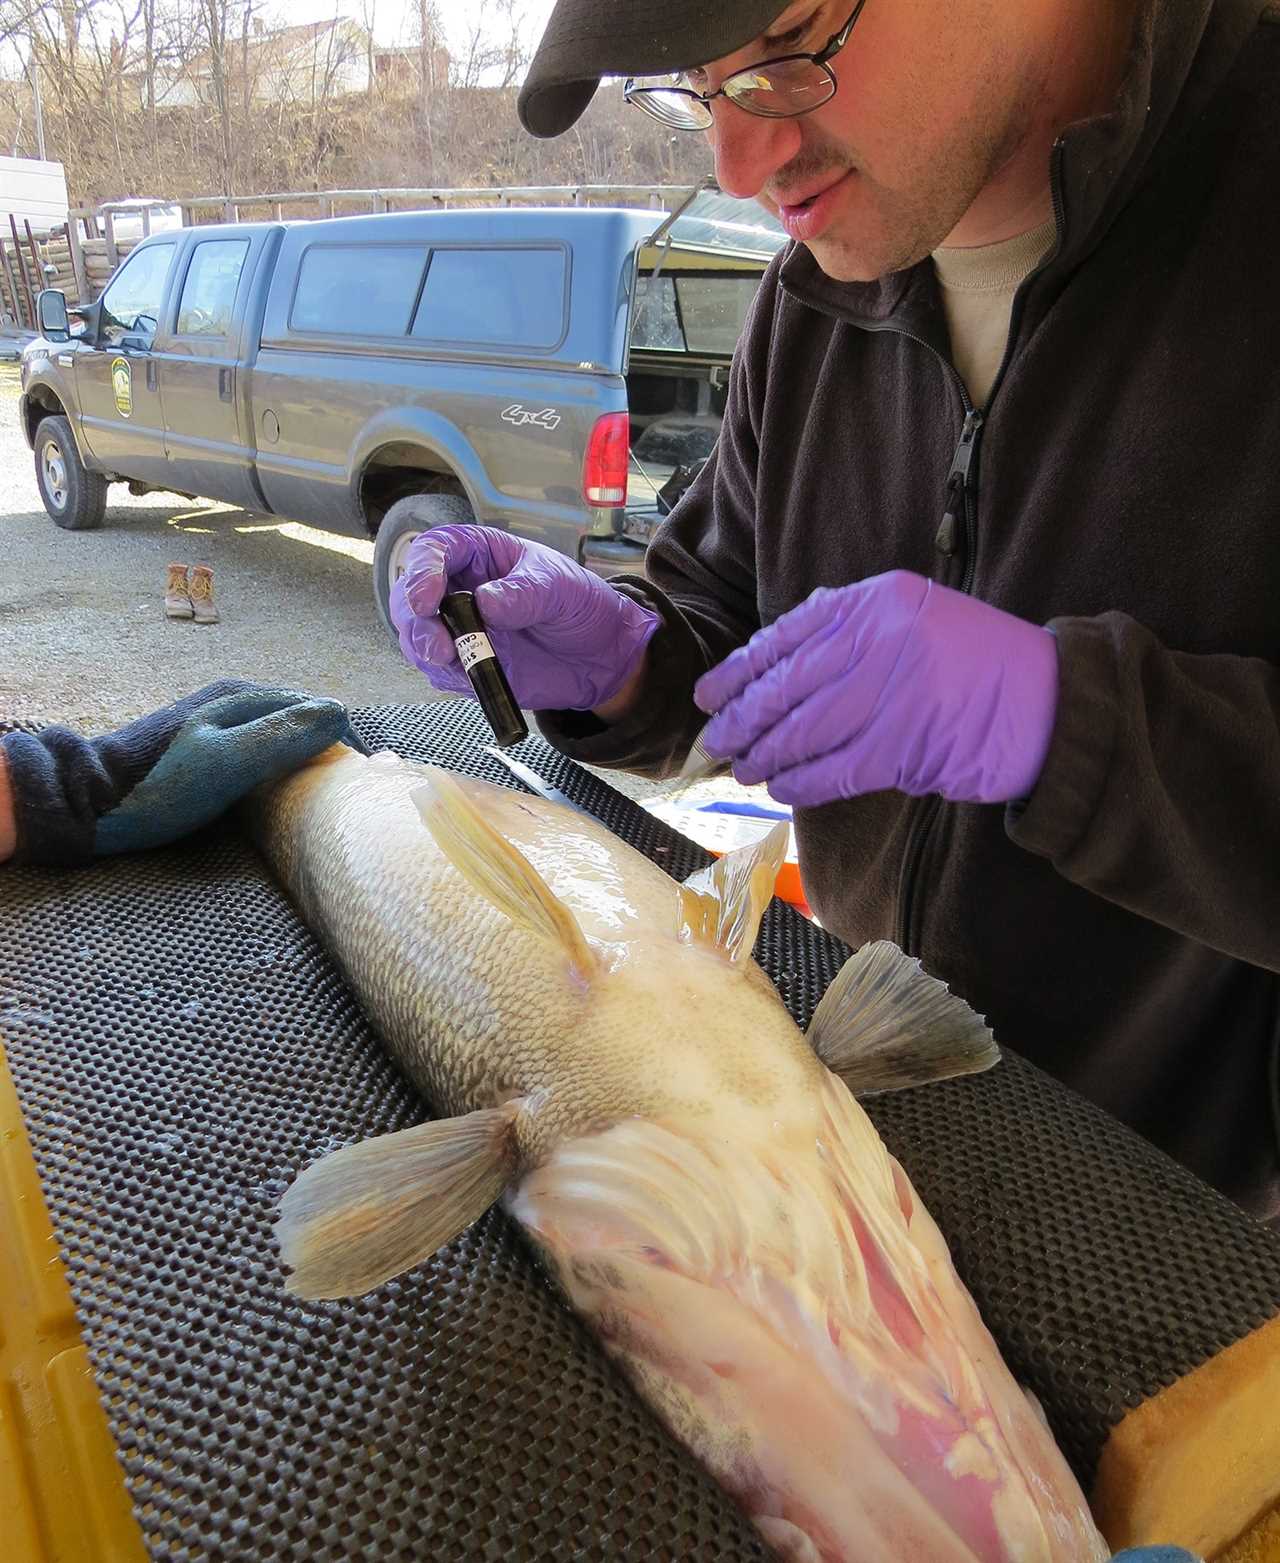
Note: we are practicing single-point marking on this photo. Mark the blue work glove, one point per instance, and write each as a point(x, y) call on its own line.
point(164, 775)
point(567, 641)
point(893, 682)
point(1155, 1555)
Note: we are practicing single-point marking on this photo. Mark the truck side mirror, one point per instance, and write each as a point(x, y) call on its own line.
point(51, 314)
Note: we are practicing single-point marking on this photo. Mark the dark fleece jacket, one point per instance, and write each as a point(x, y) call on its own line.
point(1122, 929)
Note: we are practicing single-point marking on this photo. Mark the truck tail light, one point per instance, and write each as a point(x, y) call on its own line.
point(604, 471)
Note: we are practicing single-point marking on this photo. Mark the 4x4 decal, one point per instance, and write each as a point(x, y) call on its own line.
point(548, 418)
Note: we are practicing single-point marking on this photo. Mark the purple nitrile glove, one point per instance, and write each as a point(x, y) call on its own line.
point(893, 682)
point(566, 639)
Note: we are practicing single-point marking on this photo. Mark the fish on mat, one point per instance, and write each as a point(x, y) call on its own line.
point(610, 1063)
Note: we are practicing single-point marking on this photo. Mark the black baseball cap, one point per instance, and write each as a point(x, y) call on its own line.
point(587, 39)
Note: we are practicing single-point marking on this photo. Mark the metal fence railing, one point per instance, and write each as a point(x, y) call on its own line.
point(92, 244)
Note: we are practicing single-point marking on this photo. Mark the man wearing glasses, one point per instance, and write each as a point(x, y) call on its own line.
point(984, 575)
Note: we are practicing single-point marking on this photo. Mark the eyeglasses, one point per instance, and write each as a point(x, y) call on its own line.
point(784, 88)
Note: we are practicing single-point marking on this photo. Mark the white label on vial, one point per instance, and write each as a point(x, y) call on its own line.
point(472, 649)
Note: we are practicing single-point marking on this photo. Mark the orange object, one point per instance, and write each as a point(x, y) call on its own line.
point(789, 888)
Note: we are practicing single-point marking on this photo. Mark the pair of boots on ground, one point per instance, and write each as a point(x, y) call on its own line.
point(188, 594)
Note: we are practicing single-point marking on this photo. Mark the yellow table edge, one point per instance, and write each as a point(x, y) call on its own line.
point(62, 1493)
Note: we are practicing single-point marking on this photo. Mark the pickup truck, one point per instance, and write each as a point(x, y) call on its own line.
point(559, 372)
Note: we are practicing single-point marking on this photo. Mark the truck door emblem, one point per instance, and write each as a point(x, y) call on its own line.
point(122, 385)
point(548, 418)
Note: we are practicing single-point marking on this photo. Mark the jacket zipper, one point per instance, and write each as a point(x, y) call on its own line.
point(960, 481)
point(960, 511)
point(961, 507)
point(958, 504)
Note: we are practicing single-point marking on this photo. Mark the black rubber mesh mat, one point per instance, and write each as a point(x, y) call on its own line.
point(182, 1047)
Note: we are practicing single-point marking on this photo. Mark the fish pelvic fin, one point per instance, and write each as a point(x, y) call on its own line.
point(369, 1212)
point(499, 871)
point(721, 905)
point(884, 1023)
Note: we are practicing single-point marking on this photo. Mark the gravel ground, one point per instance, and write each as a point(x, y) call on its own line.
point(84, 640)
point(83, 637)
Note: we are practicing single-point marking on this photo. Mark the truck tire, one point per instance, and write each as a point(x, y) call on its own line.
point(75, 497)
point(404, 521)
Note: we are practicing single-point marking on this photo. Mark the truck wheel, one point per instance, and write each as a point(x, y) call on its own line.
point(75, 497)
point(405, 520)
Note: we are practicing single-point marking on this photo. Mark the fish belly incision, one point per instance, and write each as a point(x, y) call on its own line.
point(791, 1313)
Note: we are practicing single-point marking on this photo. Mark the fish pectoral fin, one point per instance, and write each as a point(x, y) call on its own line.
point(498, 871)
point(884, 1023)
point(721, 905)
point(369, 1212)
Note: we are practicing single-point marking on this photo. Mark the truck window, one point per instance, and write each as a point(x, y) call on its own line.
point(357, 289)
point(131, 304)
point(702, 313)
point(512, 296)
point(657, 321)
point(714, 310)
point(209, 292)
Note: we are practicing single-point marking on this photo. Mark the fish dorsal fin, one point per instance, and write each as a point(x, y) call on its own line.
point(884, 1023)
point(498, 871)
point(369, 1212)
point(721, 905)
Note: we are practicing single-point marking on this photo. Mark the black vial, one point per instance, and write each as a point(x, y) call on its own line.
point(480, 663)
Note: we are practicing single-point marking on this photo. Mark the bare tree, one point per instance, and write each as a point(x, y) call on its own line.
point(343, 44)
point(493, 47)
point(149, 57)
point(246, 26)
point(369, 22)
point(176, 98)
point(68, 14)
point(216, 15)
point(429, 40)
point(510, 39)
point(17, 136)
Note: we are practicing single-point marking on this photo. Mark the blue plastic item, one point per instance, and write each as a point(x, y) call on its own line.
point(751, 810)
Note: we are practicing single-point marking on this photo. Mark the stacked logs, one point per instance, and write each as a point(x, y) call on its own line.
point(28, 263)
point(98, 266)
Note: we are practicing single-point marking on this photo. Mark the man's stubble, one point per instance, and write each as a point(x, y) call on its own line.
point(896, 221)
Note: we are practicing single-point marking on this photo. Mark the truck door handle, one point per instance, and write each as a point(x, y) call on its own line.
point(151, 374)
point(226, 382)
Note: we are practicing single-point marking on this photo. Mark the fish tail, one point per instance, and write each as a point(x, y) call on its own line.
point(372, 1211)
